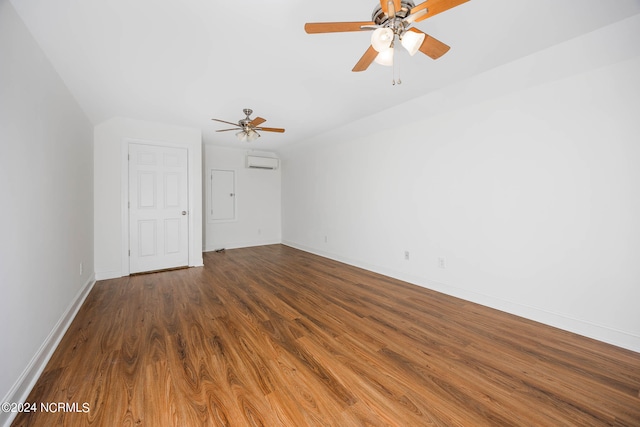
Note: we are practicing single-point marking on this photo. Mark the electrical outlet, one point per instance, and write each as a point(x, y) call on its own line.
point(81, 269)
point(442, 263)
point(326, 239)
point(406, 255)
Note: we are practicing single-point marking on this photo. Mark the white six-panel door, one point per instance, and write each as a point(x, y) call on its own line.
point(158, 208)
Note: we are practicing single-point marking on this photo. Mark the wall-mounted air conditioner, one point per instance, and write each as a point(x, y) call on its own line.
point(262, 162)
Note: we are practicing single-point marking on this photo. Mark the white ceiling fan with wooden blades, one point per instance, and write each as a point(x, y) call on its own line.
point(391, 21)
point(247, 128)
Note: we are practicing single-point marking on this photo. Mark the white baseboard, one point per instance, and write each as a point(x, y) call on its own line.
point(105, 275)
point(561, 321)
point(577, 326)
point(22, 387)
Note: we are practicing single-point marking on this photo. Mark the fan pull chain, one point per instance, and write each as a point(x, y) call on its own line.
point(393, 70)
point(393, 63)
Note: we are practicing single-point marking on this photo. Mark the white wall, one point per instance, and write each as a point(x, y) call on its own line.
point(525, 180)
point(110, 142)
point(258, 199)
point(46, 183)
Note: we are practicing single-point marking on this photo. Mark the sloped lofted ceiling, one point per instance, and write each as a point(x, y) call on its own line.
point(185, 62)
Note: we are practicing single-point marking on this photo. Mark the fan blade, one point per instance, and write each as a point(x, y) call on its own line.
point(430, 46)
point(257, 121)
point(366, 59)
point(229, 123)
point(336, 27)
point(271, 130)
point(435, 7)
point(225, 130)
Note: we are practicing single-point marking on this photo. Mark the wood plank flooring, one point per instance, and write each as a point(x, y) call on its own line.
point(272, 336)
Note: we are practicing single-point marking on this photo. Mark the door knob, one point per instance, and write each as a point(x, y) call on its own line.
point(184, 212)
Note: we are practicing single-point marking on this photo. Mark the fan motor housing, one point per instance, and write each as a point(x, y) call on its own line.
point(380, 17)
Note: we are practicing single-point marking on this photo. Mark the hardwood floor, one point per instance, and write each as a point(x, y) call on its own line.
point(272, 336)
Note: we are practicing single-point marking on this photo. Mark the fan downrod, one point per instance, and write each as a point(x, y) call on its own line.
point(244, 123)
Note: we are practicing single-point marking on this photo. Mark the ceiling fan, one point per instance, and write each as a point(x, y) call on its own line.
point(390, 21)
point(248, 127)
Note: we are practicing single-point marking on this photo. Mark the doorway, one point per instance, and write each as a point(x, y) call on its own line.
point(158, 207)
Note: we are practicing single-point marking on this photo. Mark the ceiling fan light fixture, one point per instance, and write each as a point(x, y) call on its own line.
point(242, 136)
point(382, 38)
point(252, 135)
point(412, 41)
point(247, 127)
point(385, 57)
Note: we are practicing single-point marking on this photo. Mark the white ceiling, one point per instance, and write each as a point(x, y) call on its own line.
point(185, 62)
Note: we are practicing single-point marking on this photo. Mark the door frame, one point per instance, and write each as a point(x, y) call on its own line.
point(195, 253)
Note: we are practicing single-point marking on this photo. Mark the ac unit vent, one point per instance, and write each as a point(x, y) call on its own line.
point(256, 162)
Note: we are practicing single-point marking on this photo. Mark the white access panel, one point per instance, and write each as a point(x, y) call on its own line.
point(223, 195)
